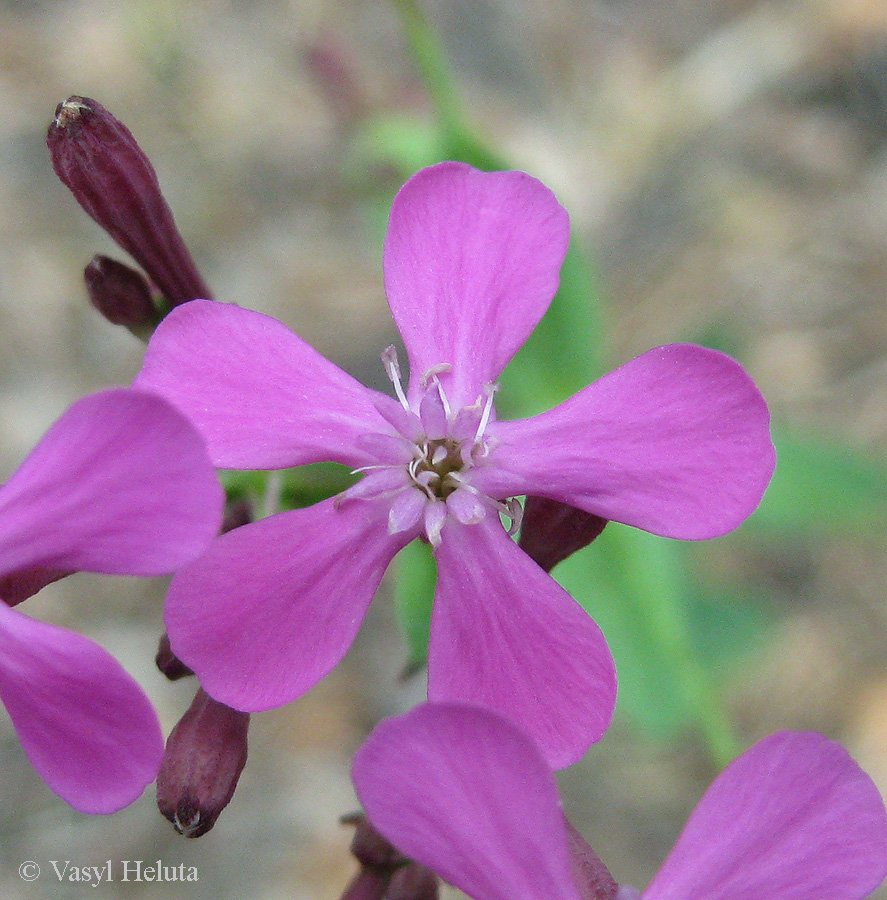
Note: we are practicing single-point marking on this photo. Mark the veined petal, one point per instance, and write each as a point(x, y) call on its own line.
point(120, 484)
point(466, 793)
point(794, 818)
point(261, 397)
point(84, 723)
point(508, 637)
point(676, 442)
point(273, 606)
point(472, 261)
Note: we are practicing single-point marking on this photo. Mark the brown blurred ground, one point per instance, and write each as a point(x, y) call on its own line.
point(726, 162)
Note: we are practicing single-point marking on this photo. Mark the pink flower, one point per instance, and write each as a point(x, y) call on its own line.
point(675, 442)
point(467, 794)
point(121, 484)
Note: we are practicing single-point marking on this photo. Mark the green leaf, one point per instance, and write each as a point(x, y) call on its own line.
point(635, 585)
point(823, 487)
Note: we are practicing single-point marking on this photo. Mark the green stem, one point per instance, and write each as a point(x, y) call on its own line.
point(431, 62)
point(653, 589)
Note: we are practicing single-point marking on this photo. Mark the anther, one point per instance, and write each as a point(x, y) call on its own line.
point(392, 369)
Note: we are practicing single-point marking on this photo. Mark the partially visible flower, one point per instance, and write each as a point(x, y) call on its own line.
point(675, 442)
point(467, 794)
point(121, 484)
point(97, 158)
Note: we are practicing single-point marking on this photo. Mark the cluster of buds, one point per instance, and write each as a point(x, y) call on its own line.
point(207, 750)
point(385, 873)
point(98, 159)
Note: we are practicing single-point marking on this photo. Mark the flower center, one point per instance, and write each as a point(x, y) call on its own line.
point(424, 472)
point(437, 465)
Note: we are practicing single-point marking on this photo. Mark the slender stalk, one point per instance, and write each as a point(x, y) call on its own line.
point(431, 62)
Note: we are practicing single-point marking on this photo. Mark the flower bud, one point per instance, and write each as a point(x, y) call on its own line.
point(205, 755)
point(551, 531)
point(369, 847)
point(168, 662)
point(367, 884)
point(592, 878)
point(98, 159)
point(413, 882)
point(122, 295)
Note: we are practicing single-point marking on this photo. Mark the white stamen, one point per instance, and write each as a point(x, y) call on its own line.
point(490, 391)
point(392, 369)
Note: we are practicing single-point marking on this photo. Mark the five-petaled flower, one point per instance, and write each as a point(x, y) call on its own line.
point(675, 442)
point(467, 794)
point(121, 484)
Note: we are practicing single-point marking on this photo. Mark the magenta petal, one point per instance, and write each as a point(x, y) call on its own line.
point(272, 607)
point(676, 442)
point(120, 484)
point(507, 636)
point(467, 794)
point(261, 397)
point(472, 261)
point(794, 818)
point(86, 726)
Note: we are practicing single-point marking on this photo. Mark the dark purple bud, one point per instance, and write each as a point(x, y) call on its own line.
point(370, 848)
point(593, 879)
point(109, 175)
point(367, 884)
point(18, 586)
point(168, 662)
point(551, 531)
point(413, 882)
point(205, 755)
point(334, 67)
point(122, 295)
point(237, 512)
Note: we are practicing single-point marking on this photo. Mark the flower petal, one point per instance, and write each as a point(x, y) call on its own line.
point(472, 261)
point(120, 484)
point(675, 442)
point(507, 636)
point(794, 818)
point(467, 794)
point(84, 723)
point(272, 607)
point(261, 397)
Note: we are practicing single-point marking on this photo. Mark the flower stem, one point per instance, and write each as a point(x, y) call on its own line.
point(431, 62)
point(653, 582)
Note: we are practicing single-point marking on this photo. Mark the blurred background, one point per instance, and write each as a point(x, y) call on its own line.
point(725, 167)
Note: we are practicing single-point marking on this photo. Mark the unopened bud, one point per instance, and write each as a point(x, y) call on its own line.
point(98, 159)
point(168, 662)
point(205, 755)
point(592, 878)
point(413, 882)
point(551, 531)
point(369, 847)
point(122, 295)
point(367, 884)
point(18, 586)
